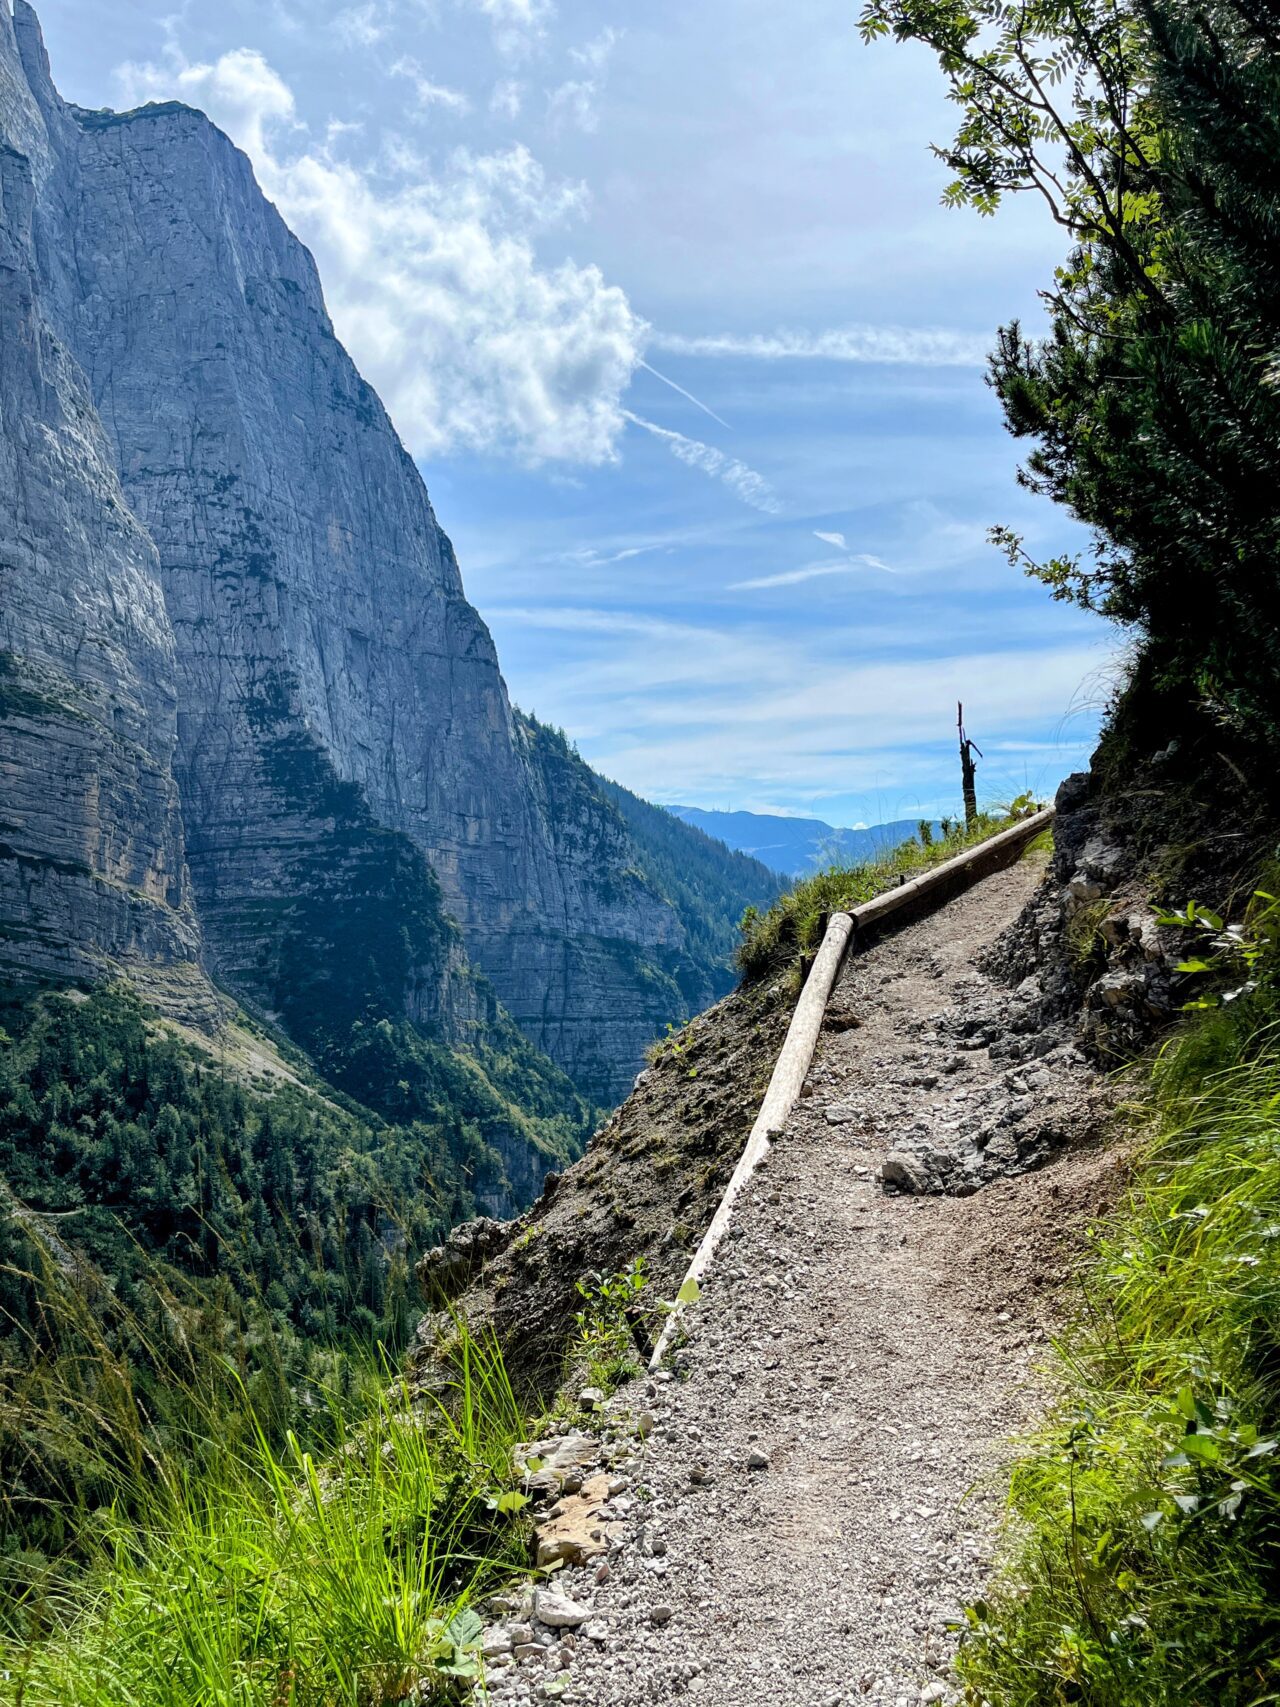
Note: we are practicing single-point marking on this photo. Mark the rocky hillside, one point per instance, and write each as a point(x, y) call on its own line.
point(251, 730)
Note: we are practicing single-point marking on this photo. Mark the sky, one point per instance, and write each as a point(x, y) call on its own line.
point(663, 301)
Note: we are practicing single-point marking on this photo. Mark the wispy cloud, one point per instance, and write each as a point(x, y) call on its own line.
point(589, 558)
point(430, 94)
point(507, 98)
point(811, 572)
point(584, 620)
point(517, 24)
point(713, 712)
point(595, 54)
point(890, 345)
point(850, 563)
point(576, 101)
point(360, 26)
point(743, 482)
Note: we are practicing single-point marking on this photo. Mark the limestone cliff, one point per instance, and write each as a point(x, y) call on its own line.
point(244, 568)
point(92, 872)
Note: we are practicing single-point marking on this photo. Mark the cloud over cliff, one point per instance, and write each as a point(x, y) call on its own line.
point(431, 272)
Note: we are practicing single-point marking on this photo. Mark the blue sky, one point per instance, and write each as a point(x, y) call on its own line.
point(663, 300)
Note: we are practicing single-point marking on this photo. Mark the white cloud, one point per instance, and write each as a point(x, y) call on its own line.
point(526, 14)
point(891, 345)
point(360, 26)
point(431, 275)
point(596, 53)
point(517, 24)
point(743, 482)
point(577, 100)
point(430, 94)
point(507, 98)
point(574, 103)
point(336, 129)
point(836, 539)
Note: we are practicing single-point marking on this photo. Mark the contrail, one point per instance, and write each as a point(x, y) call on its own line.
point(923, 346)
point(751, 487)
point(680, 388)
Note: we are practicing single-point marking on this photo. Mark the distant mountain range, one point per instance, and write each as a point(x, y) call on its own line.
point(797, 846)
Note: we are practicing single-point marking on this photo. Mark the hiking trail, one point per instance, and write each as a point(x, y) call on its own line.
point(815, 1503)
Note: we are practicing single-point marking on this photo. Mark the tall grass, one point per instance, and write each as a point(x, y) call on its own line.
point(217, 1563)
point(1144, 1561)
point(777, 940)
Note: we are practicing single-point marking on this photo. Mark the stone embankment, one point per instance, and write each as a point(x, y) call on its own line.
point(798, 1509)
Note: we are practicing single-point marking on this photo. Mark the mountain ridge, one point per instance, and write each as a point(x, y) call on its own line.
point(796, 847)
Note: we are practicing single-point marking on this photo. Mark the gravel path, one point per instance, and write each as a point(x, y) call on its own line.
point(803, 1527)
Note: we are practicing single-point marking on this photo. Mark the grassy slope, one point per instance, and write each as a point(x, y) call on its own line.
point(235, 1209)
point(207, 1495)
point(1144, 1562)
point(231, 1569)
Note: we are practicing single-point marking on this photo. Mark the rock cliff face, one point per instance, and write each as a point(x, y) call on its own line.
point(92, 872)
point(244, 583)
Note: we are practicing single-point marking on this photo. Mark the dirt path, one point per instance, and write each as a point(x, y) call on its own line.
point(875, 1349)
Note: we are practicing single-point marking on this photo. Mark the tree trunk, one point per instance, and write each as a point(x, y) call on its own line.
point(968, 770)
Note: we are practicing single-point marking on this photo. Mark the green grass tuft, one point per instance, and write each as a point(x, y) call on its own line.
point(222, 1562)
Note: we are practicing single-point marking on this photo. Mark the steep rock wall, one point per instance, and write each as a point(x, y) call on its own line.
point(325, 650)
point(92, 870)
